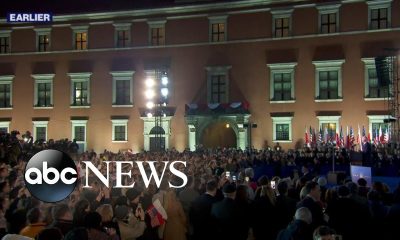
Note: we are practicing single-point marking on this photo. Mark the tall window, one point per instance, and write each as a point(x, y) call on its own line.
point(379, 18)
point(157, 36)
point(4, 44)
point(80, 37)
point(282, 82)
point(122, 34)
point(43, 90)
point(79, 133)
point(80, 89)
point(282, 129)
point(328, 80)
point(328, 23)
point(379, 126)
point(6, 91)
point(331, 129)
point(330, 123)
point(122, 88)
point(282, 27)
point(372, 89)
point(218, 86)
point(218, 32)
point(119, 130)
point(4, 126)
point(40, 130)
point(44, 42)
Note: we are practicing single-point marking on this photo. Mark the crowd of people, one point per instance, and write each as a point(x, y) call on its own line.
point(221, 200)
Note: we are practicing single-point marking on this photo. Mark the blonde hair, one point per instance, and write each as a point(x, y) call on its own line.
point(106, 212)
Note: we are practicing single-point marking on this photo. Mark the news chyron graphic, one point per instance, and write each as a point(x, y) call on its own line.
point(29, 17)
point(50, 176)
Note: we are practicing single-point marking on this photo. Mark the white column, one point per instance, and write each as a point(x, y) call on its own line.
point(242, 137)
point(192, 137)
point(148, 125)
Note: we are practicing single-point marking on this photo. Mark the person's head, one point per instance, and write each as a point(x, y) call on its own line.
point(33, 215)
point(229, 190)
point(313, 190)
point(133, 195)
point(49, 234)
point(61, 212)
point(364, 139)
point(303, 214)
point(304, 169)
point(263, 181)
point(324, 233)
point(211, 187)
point(352, 187)
point(106, 212)
point(374, 196)
point(282, 187)
point(362, 182)
point(93, 220)
point(5, 187)
point(322, 181)
point(343, 192)
point(241, 193)
point(80, 233)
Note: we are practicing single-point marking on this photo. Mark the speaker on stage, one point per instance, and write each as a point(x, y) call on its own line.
point(382, 65)
point(336, 177)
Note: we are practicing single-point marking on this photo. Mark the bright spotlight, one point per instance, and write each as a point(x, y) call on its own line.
point(149, 93)
point(150, 105)
point(149, 115)
point(164, 92)
point(164, 80)
point(150, 82)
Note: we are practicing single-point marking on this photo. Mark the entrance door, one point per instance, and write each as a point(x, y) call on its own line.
point(218, 134)
point(157, 139)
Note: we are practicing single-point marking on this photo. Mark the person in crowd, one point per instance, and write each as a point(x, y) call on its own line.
point(94, 228)
point(200, 213)
point(62, 218)
point(175, 228)
point(285, 206)
point(106, 212)
point(244, 208)
point(300, 228)
point(82, 207)
point(366, 152)
point(131, 226)
point(312, 202)
point(324, 233)
point(35, 224)
point(363, 189)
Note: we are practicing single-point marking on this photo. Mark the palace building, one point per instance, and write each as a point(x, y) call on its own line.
point(238, 73)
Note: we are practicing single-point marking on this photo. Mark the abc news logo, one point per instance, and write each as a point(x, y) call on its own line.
point(51, 175)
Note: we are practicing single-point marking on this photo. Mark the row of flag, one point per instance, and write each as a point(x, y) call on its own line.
point(347, 140)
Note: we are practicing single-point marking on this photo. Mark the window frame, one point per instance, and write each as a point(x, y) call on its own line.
point(119, 122)
point(40, 124)
point(76, 30)
point(376, 119)
point(41, 32)
point(6, 34)
point(122, 76)
point(8, 79)
point(369, 63)
point(217, 20)
point(328, 65)
point(327, 120)
point(5, 124)
point(276, 68)
point(282, 120)
point(379, 4)
point(329, 9)
point(156, 24)
point(218, 70)
point(277, 14)
point(79, 77)
point(43, 78)
point(79, 123)
point(122, 27)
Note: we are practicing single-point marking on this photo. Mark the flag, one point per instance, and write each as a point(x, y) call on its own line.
point(347, 138)
point(310, 137)
point(386, 136)
point(326, 135)
point(320, 135)
point(314, 136)
point(306, 137)
point(359, 141)
point(157, 214)
point(351, 136)
point(380, 135)
point(337, 140)
point(363, 131)
point(341, 137)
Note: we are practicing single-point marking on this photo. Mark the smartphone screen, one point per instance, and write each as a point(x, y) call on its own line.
point(247, 179)
point(234, 178)
point(227, 174)
point(273, 184)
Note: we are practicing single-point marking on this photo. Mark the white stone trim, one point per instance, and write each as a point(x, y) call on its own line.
point(156, 24)
point(79, 123)
point(285, 13)
point(217, 19)
point(122, 76)
point(377, 4)
point(80, 29)
point(328, 65)
point(8, 79)
point(281, 120)
point(329, 119)
point(328, 9)
point(42, 78)
point(218, 70)
point(5, 124)
point(281, 68)
point(39, 124)
point(119, 122)
point(149, 123)
point(122, 27)
point(79, 77)
point(42, 31)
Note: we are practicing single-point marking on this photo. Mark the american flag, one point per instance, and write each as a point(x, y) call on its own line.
point(306, 137)
point(320, 135)
point(351, 136)
point(341, 137)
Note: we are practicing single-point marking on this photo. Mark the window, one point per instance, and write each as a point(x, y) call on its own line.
point(281, 23)
point(40, 130)
point(218, 84)
point(43, 96)
point(379, 15)
point(217, 28)
point(282, 82)
point(372, 89)
point(6, 92)
point(5, 126)
point(157, 33)
point(43, 39)
point(328, 18)
point(122, 35)
point(328, 80)
point(376, 122)
point(282, 129)
point(119, 130)
point(122, 88)
point(79, 133)
point(80, 37)
point(80, 89)
point(330, 123)
point(5, 41)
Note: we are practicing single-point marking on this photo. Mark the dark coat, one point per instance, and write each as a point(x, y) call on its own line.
point(297, 230)
point(315, 209)
point(200, 217)
point(226, 217)
point(286, 207)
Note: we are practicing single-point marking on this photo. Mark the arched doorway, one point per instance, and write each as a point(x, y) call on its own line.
point(157, 139)
point(218, 134)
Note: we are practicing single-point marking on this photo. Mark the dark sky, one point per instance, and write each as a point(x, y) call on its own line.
point(81, 6)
